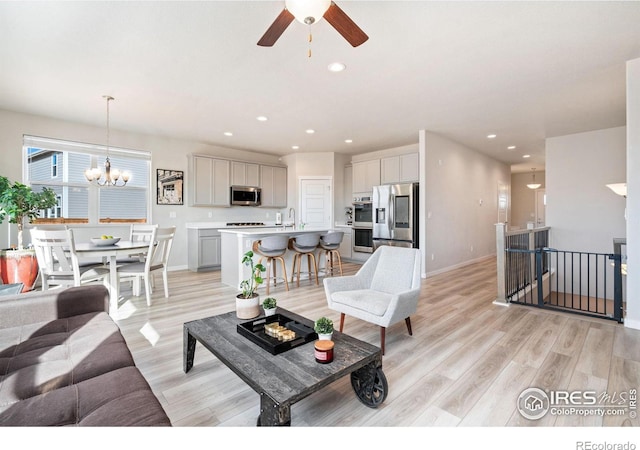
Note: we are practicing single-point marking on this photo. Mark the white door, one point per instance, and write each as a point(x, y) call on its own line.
point(541, 202)
point(315, 202)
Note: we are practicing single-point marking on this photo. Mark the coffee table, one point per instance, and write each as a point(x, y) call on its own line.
point(286, 378)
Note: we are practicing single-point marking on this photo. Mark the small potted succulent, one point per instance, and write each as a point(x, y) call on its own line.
point(248, 300)
point(324, 327)
point(269, 305)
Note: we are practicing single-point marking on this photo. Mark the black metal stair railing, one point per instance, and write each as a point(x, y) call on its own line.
point(580, 282)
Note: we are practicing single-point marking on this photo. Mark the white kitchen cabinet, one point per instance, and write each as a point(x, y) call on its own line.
point(273, 181)
point(203, 249)
point(366, 174)
point(209, 181)
point(245, 174)
point(346, 247)
point(399, 169)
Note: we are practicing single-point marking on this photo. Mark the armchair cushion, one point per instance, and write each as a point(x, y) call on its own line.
point(367, 301)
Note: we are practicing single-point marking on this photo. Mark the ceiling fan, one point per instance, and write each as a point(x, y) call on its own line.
point(309, 12)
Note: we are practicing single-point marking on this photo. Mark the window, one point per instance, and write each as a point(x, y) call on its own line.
point(54, 165)
point(60, 165)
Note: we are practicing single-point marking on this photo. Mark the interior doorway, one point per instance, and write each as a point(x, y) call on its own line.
point(316, 207)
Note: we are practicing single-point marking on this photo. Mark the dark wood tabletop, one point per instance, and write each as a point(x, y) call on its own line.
point(283, 379)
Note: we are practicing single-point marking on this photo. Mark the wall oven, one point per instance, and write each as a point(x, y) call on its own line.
point(362, 239)
point(363, 212)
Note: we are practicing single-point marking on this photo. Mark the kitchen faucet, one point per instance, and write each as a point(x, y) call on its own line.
point(293, 212)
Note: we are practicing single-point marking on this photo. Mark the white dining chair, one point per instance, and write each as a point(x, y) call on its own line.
point(138, 232)
point(58, 262)
point(156, 260)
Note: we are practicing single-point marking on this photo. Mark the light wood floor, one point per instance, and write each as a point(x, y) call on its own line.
point(465, 365)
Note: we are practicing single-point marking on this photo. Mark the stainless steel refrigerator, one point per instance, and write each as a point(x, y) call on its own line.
point(395, 215)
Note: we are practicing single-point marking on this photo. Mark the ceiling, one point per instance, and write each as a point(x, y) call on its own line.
point(524, 71)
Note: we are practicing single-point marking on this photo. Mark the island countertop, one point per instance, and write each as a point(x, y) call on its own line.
point(268, 231)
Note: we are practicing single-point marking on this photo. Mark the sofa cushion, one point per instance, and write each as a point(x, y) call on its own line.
point(118, 398)
point(38, 358)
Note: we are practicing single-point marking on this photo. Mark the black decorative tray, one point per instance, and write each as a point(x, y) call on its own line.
point(254, 330)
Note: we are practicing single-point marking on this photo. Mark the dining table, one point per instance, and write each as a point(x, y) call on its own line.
point(89, 250)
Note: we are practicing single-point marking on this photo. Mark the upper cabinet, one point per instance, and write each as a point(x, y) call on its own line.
point(209, 181)
point(366, 174)
point(245, 174)
point(399, 169)
point(273, 181)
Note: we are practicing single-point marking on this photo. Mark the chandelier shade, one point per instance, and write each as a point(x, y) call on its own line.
point(533, 184)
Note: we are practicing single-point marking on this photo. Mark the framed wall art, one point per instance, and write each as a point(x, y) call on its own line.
point(170, 187)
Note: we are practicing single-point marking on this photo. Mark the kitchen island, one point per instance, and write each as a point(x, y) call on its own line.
point(237, 241)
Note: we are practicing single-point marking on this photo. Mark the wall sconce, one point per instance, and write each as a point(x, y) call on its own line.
point(619, 188)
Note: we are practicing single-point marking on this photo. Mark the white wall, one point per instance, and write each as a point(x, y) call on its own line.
point(461, 204)
point(633, 194)
point(584, 214)
point(166, 153)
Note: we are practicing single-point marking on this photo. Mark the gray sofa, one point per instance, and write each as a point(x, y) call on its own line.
point(63, 361)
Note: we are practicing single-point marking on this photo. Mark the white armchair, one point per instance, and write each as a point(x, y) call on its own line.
point(384, 291)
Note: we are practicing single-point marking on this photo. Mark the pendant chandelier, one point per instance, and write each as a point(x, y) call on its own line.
point(533, 184)
point(112, 177)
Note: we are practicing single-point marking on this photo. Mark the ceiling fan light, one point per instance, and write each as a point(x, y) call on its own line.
point(307, 11)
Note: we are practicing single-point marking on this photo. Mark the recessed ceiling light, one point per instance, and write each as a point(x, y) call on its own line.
point(295, 147)
point(491, 136)
point(526, 156)
point(511, 147)
point(228, 133)
point(310, 131)
point(348, 141)
point(337, 67)
point(262, 118)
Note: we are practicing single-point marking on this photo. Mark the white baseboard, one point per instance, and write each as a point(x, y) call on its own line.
point(635, 324)
point(460, 265)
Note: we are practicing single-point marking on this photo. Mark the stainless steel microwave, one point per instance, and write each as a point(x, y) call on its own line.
point(246, 195)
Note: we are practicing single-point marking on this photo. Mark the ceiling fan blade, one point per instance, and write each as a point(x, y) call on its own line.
point(276, 29)
point(345, 26)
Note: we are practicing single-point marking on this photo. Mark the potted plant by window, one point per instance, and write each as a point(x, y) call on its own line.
point(324, 327)
point(269, 305)
point(19, 203)
point(248, 300)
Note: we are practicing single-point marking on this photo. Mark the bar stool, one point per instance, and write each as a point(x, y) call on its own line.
point(301, 245)
point(329, 243)
point(272, 247)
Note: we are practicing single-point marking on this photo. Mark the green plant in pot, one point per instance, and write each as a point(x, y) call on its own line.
point(269, 305)
point(19, 203)
point(324, 327)
point(248, 300)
